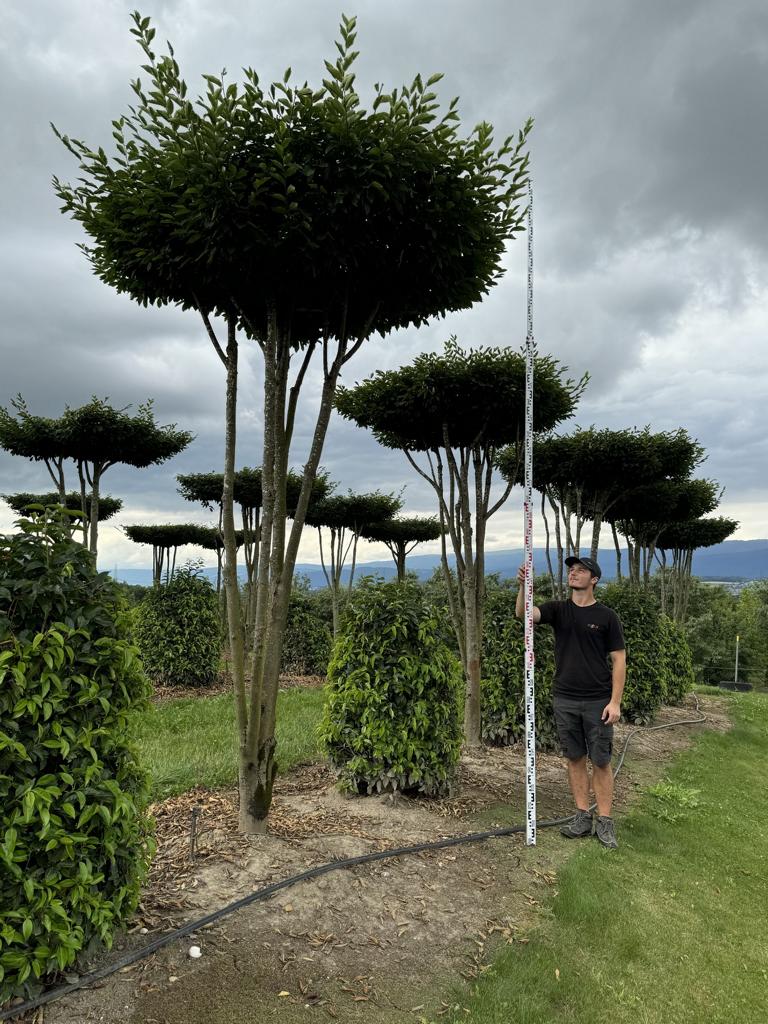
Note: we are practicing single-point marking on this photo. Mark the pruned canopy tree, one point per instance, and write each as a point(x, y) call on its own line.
point(456, 411)
point(581, 476)
point(643, 513)
point(94, 436)
point(166, 539)
point(401, 536)
point(682, 539)
point(295, 218)
point(346, 517)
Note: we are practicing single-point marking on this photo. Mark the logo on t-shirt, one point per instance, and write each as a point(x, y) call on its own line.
point(594, 625)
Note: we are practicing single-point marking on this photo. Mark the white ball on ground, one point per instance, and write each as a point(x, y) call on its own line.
point(195, 952)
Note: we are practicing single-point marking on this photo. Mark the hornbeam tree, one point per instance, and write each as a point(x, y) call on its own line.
point(457, 410)
point(166, 539)
point(73, 500)
point(682, 539)
point(95, 437)
point(581, 476)
point(299, 220)
point(644, 512)
point(346, 517)
point(401, 536)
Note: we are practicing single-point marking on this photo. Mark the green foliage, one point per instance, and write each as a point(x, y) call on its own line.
point(177, 629)
point(672, 800)
point(646, 640)
point(391, 721)
point(503, 668)
point(208, 488)
point(474, 397)
point(108, 506)
point(75, 841)
point(308, 635)
point(296, 200)
point(679, 664)
point(353, 512)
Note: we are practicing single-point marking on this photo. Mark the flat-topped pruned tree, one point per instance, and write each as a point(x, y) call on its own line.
point(456, 410)
point(73, 500)
point(346, 517)
point(682, 539)
point(401, 536)
point(166, 539)
point(582, 475)
point(642, 514)
point(295, 218)
point(94, 436)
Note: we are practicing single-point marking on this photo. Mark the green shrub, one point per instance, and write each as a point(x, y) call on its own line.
point(75, 840)
point(646, 641)
point(308, 634)
point(503, 666)
point(680, 675)
point(391, 720)
point(177, 628)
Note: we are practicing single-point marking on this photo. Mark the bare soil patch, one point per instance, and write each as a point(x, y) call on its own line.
point(380, 943)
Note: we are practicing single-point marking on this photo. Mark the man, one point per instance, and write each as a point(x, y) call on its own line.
point(586, 692)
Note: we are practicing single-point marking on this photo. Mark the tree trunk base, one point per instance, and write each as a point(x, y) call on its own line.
point(256, 782)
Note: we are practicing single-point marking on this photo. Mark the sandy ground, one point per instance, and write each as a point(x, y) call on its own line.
point(383, 942)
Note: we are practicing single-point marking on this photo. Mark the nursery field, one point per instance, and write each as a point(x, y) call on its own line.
point(669, 925)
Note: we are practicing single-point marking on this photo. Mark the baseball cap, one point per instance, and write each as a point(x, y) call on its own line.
point(588, 563)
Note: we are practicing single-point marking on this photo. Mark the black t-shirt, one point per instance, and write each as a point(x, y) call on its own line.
point(584, 637)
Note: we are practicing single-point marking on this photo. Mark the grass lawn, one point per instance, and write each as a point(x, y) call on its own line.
point(672, 928)
point(190, 743)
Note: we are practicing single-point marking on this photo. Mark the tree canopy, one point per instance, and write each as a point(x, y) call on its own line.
point(459, 398)
point(402, 535)
point(325, 213)
point(166, 538)
point(108, 506)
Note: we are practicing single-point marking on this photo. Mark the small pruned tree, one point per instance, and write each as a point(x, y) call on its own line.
point(401, 536)
point(457, 410)
point(208, 490)
point(166, 539)
point(108, 506)
point(682, 539)
point(581, 476)
point(95, 437)
point(643, 513)
point(305, 223)
point(346, 517)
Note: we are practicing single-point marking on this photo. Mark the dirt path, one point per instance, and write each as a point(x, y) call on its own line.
point(379, 943)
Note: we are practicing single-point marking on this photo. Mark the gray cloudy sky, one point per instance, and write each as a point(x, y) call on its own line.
point(650, 162)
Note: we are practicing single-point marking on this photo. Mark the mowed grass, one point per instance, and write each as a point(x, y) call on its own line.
point(672, 928)
point(188, 743)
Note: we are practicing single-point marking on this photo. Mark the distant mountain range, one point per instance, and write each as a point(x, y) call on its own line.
point(731, 560)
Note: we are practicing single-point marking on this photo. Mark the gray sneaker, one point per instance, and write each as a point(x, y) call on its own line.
point(579, 826)
point(606, 833)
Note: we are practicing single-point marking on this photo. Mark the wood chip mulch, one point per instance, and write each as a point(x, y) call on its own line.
point(166, 694)
point(212, 816)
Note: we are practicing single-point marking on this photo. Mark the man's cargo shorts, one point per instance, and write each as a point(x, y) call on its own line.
point(582, 731)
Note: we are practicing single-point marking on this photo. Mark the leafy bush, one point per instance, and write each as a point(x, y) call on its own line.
point(76, 842)
point(177, 628)
point(391, 720)
point(308, 634)
point(503, 664)
point(679, 664)
point(647, 645)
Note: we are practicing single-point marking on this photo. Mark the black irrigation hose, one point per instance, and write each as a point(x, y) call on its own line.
point(323, 869)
